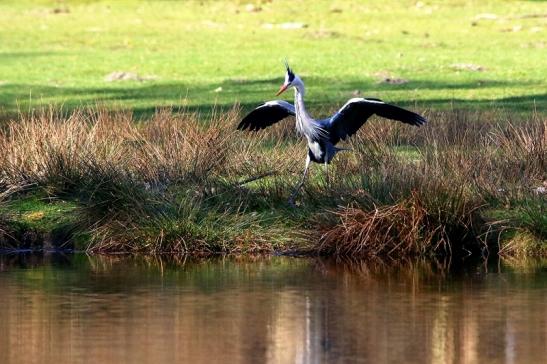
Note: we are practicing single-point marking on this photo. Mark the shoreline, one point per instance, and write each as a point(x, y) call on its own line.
point(33, 241)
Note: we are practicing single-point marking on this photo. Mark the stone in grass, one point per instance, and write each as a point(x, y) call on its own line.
point(485, 16)
point(127, 76)
point(467, 67)
point(286, 26)
point(393, 81)
point(513, 29)
point(60, 10)
point(384, 77)
point(252, 8)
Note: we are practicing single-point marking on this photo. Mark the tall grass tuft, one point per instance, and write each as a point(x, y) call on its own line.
point(178, 183)
point(426, 192)
point(147, 186)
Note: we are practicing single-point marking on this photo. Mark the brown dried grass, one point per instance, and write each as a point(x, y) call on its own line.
point(146, 186)
point(434, 204)
point(173, 183)
point(382, 231)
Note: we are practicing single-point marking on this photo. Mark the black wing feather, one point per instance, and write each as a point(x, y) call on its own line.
point(356, 112)
point(266, 114)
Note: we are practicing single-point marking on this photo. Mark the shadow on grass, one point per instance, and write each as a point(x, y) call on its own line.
point(17, 56)
point(325, 96)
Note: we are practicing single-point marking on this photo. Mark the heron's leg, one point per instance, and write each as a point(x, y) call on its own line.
point(329, 154)
point(299, 186)
point(327, 172)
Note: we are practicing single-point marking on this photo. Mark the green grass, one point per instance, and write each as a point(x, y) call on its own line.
point(29, 220)
point(38, 212)
point(59, 52)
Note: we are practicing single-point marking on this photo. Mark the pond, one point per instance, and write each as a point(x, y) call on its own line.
point(102, 309)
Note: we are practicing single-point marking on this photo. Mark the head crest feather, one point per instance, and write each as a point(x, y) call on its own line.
point(289, 71)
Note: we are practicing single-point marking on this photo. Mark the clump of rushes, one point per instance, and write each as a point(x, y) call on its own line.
point(170, 184)
point(181, 184)
point(406, 228)
point(437, 199)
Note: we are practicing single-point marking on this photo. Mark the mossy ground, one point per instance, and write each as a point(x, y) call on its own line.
point(40, 213)
point(59, 220)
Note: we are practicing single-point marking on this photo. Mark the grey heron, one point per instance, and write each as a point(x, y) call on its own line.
point(322, 135)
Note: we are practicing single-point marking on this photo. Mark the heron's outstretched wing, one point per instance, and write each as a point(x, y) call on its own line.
point(266, 114)
point(356, 111)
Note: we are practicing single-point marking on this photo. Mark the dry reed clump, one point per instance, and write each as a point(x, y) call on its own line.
point(142, 186)
point(404, 229)
point(432, 201)
point(179, 183)
point(388, 230)
point(51, 149)
point(62, 152)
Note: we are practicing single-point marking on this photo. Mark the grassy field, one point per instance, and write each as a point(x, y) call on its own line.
point(447, 54)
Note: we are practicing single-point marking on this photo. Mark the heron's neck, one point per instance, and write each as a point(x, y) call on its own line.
point(301, 112)
point(305, 125)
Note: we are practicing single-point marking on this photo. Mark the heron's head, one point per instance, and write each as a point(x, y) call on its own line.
point(291, 80)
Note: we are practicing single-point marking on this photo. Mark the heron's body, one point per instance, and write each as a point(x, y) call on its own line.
point(323, 135)
point(320, 149)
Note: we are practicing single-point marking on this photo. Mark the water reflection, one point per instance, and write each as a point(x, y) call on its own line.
point(70, 309)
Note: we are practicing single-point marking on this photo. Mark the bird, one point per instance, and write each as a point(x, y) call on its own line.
point(324, 134)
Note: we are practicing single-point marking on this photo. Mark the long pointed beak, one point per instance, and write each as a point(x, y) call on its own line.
point(281, 90)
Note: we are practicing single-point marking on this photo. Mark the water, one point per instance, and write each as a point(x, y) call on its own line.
point(79, 309)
